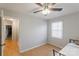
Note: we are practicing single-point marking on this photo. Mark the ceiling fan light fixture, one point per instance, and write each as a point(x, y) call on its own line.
point(45, 11)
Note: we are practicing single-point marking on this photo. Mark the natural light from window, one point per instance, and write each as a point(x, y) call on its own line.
point(57, 29)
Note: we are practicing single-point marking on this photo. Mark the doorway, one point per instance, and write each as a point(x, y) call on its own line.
point(9, 31)
point(11, 47)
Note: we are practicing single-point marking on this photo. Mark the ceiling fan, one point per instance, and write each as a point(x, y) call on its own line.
point(46, 8)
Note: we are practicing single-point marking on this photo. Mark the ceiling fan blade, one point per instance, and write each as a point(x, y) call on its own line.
point(56, 9)
point(37, 11)
point(53, 3)
point(39, 4)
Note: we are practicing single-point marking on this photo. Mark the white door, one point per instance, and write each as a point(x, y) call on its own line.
point(0, 35)
point(2, 31)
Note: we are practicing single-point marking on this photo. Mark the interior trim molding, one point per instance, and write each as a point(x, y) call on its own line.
point(54, 45)
point(32, 48)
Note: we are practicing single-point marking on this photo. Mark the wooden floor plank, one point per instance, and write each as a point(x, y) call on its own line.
point(44, 50)
point(11, 48)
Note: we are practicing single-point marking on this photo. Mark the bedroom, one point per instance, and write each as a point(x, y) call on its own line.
point(37, 34)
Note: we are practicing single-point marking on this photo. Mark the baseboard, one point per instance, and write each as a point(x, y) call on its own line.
point(54, 45)
point(32, 48)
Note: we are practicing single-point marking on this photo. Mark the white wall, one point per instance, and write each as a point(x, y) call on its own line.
point(33, 31)
point(70, 26)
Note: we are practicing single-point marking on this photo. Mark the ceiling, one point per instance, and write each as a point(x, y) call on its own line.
point(29, 8)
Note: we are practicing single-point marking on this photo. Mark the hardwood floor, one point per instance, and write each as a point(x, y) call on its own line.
point(11, 48)
point(44, 50)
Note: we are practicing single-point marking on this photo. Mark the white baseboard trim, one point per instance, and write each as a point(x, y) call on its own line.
point(54, 45)
point(32, 48)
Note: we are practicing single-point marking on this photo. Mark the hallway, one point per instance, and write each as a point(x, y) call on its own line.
point(11, 48)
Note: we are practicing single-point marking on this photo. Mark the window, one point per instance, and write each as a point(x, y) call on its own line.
point(57, 30)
